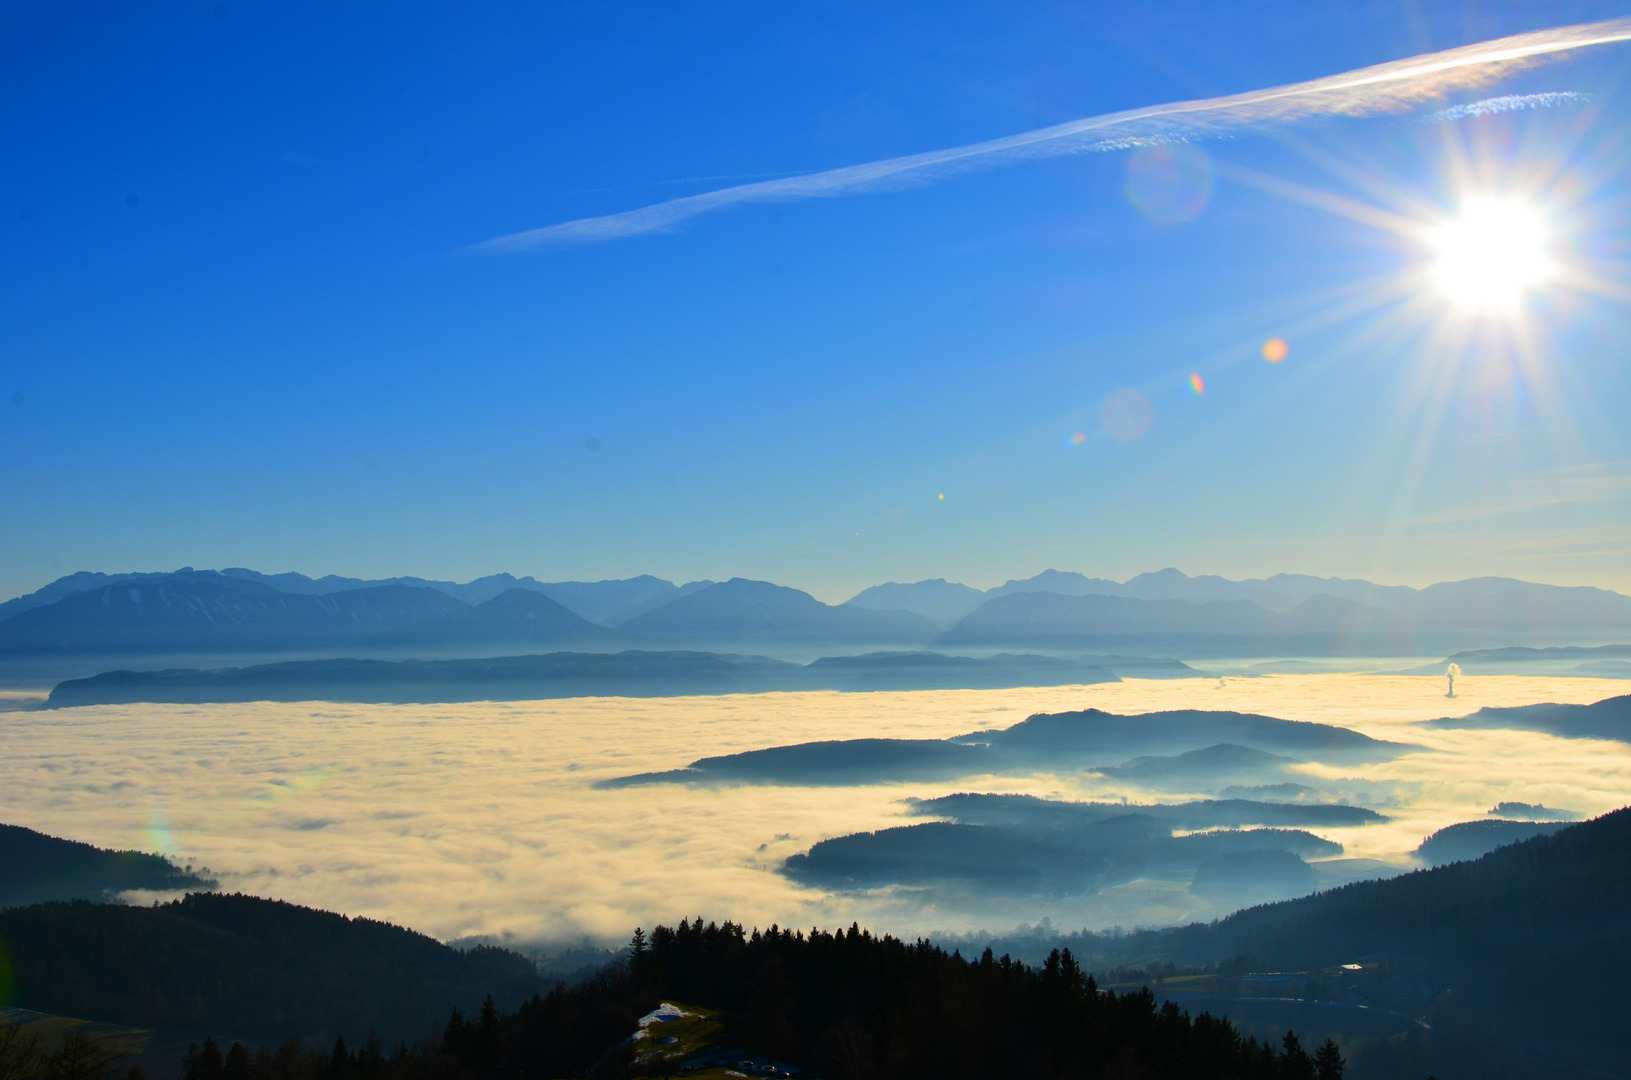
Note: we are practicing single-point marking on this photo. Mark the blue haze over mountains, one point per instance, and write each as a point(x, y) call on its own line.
point(239, 611)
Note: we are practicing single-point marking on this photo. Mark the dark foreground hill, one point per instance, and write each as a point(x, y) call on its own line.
point(248, 966)
point(35, 867)
point(846, 1005)
point(1516, 961)
point(1549, 896)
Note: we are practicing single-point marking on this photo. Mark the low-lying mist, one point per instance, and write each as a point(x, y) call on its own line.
point(485, 818)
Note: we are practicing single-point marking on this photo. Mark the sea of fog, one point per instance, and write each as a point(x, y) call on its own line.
point(483, 819)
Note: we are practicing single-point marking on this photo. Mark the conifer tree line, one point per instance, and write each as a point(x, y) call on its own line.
point(846, 1005)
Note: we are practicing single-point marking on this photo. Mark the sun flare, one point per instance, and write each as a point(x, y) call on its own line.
point(1490, 256)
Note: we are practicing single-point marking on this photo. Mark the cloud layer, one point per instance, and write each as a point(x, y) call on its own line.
point(482, 818)
point(1383, 88)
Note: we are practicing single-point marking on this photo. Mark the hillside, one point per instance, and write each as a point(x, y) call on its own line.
point(1455, 942)
point(38, 868)
point(248, 966)
point(845, 1004)
point(1606, 719)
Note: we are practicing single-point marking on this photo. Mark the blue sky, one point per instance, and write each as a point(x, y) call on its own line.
point(240, 323)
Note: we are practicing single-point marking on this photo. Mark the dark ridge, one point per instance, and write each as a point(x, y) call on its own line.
point(1201, 814)
point(38, 868)
point(1558, 904)
point(837, 762)
point(1606, 719)
point(1522, 811)
point(1211, 765)
point(631, 673)
point(1108, 735)
point(1042, 742)
point(249, 966)
point(511, 678)
point(1475, 839)
point(1023, 860)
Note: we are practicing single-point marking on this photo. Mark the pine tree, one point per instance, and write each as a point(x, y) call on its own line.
point(453, 1034)
point(485, 1038)
point(1329, 1061)
point(202, 1062)
point(339, 1059)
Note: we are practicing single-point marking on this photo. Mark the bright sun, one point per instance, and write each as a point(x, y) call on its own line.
point(1491, 255)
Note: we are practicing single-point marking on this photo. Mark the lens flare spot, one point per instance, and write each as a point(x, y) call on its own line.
point(1274, 350)
point(1126, 415)
point(157, 832)
point(942, 495)
point(1078, 438)
point(1170, 183)
point(1197, 384)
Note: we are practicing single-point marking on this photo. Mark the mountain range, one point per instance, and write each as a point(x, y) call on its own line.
point(238, 611)
point(1501, 603)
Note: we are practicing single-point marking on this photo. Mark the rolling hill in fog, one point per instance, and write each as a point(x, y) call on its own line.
point(1219, 748)
point(632, 673)
point(241, 612)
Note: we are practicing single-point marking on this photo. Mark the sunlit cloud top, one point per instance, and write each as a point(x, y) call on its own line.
point(1382, 88)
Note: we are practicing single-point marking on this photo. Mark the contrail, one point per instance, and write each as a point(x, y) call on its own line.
point(1390, 87)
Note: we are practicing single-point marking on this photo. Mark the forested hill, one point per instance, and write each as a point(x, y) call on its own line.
point(1537, 895)
point(846, 1005)
point(35, 867)
point(1533, 940)
point(247, 966)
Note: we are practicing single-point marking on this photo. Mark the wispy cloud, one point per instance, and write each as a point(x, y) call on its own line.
point(1383, 88)
point(1507, 103)
point(1595, 483)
